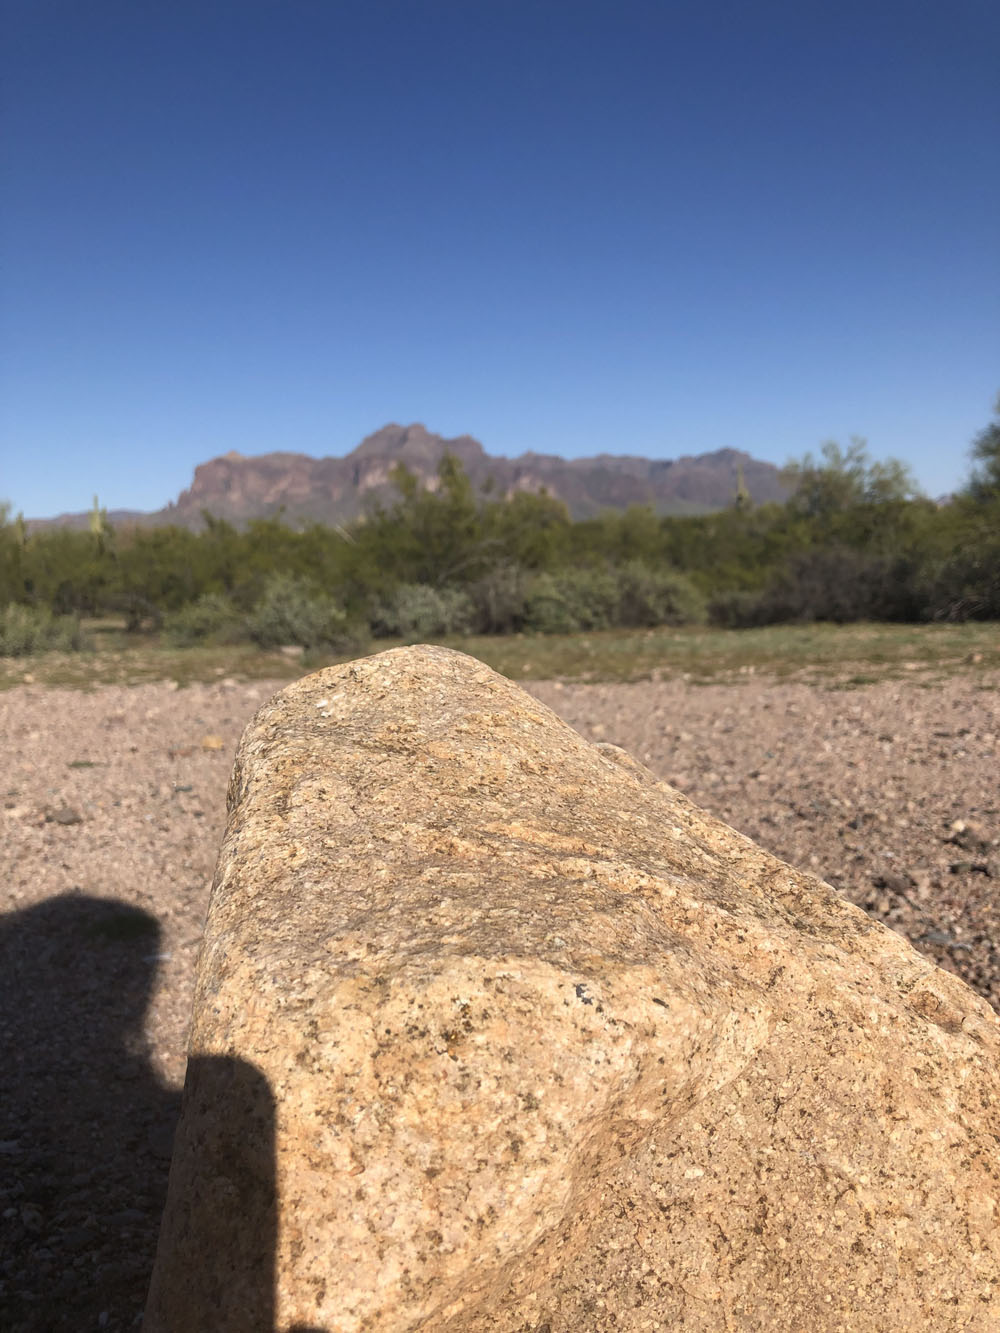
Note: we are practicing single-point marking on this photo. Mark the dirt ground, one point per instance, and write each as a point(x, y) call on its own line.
point(114, 804)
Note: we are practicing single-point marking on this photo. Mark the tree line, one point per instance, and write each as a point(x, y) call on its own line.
point(854, 541)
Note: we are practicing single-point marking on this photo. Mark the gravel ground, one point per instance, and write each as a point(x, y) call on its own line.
point(114, 807)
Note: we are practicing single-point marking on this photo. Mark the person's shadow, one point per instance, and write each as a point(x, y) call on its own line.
point(86, 1126)
point(86, 1134)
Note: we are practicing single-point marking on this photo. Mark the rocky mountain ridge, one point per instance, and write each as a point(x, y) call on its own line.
point(336, 490)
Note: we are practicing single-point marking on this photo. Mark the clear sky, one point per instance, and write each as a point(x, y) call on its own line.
point(637, 227)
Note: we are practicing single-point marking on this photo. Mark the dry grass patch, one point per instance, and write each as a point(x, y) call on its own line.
point(839, 656)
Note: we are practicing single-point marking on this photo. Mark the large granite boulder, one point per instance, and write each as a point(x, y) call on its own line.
point(494, 1032)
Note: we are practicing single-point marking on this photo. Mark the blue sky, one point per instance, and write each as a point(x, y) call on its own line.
point(654, 228)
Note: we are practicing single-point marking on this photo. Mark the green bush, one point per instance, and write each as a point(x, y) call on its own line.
point(737, 608)
point(576, 599)
point(294, 611)
point(418, 611)
point(835, 584)
point(547, 609)
point(648, 597)
point(499, 599)
point(967, 585)
point(34, 629)
point(629, 596)
point(211, 619)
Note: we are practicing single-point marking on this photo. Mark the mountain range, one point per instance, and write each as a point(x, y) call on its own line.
point(336, 490)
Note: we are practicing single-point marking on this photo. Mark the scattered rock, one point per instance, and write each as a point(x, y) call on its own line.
point(493, 1031)
point(969, 836)
point(212, 743)
point(946, 941)
point(63, 814)
point(895, 883)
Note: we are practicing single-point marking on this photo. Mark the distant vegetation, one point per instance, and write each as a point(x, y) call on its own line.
point(853, 542)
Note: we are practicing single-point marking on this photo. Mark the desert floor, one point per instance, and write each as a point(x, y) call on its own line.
point(114, 804)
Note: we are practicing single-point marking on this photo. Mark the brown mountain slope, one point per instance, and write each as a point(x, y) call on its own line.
point(335, 490)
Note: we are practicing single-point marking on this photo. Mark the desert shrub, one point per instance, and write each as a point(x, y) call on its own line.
point(736, 608)
point(573, 599)
point(498, 599)
point(967, 585)
point(630, 595)
point(34, 629)
point(212, 618)
point(836, 584)
point(291, 611)
point(547, 610)
point(648, 596)
point(419, 611)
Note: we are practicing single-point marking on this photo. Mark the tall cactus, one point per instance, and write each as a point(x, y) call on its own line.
point(99, 526)
point(741, 500)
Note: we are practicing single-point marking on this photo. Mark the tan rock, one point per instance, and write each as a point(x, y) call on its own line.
point(494, 1033)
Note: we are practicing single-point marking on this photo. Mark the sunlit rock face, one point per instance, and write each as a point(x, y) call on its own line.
point(493, 1032)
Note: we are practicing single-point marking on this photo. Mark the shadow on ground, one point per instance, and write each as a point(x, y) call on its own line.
point(86, 1133)
point(85, 1125)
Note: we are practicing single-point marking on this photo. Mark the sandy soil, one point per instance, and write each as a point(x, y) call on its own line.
point(114, 806)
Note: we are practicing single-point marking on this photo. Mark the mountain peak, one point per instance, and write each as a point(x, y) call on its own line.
point(391, 439)
point(415, 446)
